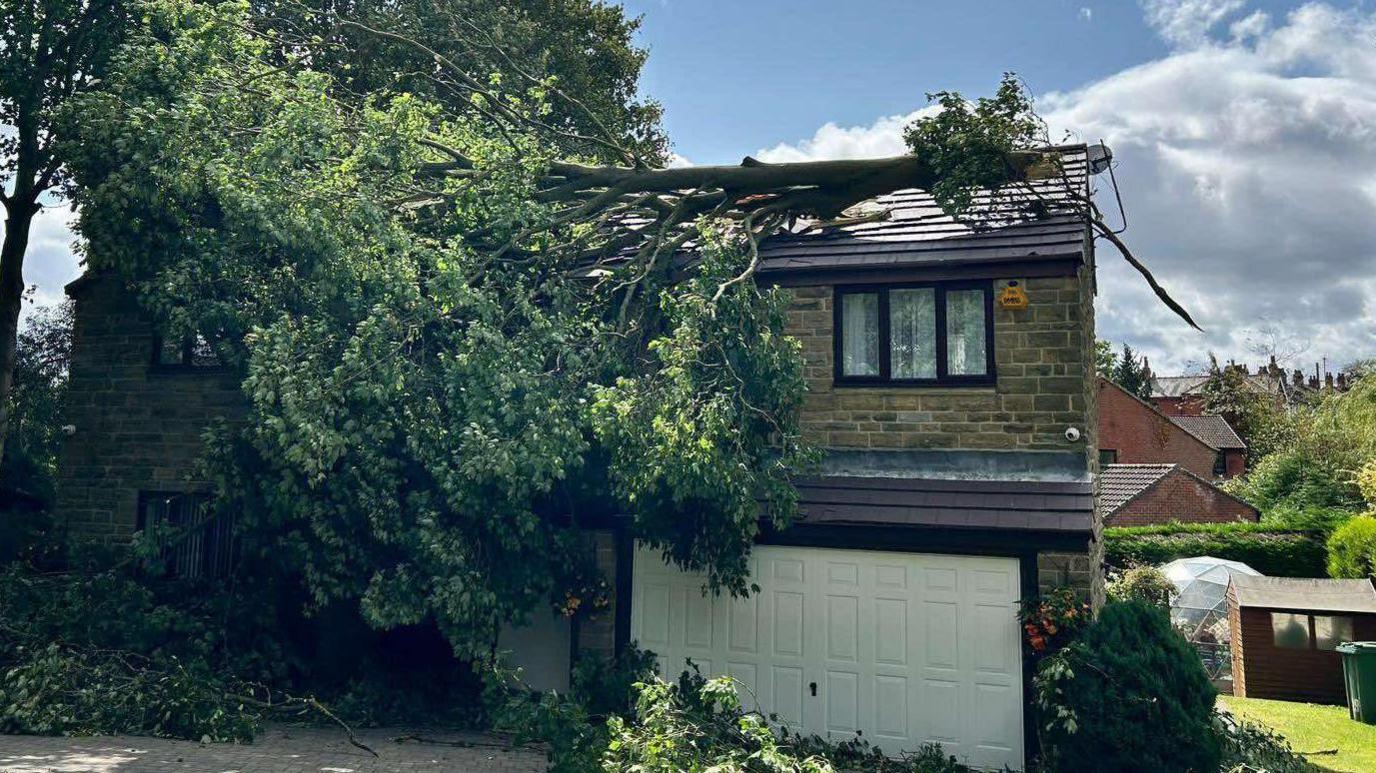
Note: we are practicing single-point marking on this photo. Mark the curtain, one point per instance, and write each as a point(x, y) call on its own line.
point(912, 333)
point(966, 354)
point(860, 334)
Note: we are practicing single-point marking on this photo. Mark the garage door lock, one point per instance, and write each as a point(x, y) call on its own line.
point(813, 687)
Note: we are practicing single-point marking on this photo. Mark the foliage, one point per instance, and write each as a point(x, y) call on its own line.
point(1130, 372)
point(36, 401)
point(50, 54)
point(1316, 454)
point(1352, 549)
point(584, 48)
point(967, 142)
point(1053, 619)
point(1143, 583)
point(430, 425)
point(573, 726)
point(1128, 694)
point(1105, 359)
point(1272, 550)
point(1248, 746)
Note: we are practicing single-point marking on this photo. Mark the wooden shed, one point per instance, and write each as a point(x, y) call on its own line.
point(1284, 631)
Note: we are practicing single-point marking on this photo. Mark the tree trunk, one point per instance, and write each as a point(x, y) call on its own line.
point(19, 218)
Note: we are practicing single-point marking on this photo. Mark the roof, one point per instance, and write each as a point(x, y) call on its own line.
point(1176, 386)
point(1121, 483)
point(1213, 430)
point(1303, 593)
point(1064, 506)
point(916, 233)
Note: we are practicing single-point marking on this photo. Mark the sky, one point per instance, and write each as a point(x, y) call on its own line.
point(1244, 134)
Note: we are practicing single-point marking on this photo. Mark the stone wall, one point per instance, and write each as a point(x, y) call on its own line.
point(1041, 355)
point(137, 427)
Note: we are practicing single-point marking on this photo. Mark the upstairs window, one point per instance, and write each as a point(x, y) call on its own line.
point(1107, 456)
point(1220, 465)
point(930, 334)
point(194, 542)
point(191, 353)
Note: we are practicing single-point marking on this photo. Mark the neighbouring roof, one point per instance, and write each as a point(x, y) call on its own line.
point(1063, 506)
point(1176, 386)
point(1302, 593)
point(1213, 430)
point(917, 233)
point(1121, 483)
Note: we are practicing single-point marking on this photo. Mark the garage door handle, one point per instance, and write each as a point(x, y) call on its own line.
point(813, 687)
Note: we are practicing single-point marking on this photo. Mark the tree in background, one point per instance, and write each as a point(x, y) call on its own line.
point(40, 381)
point(1257, 416)
point(51, 51)
point(1126, 369)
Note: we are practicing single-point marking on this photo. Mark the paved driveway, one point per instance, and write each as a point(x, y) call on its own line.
point(277, 750)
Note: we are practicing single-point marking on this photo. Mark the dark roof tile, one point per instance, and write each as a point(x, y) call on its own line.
point(1213, 430)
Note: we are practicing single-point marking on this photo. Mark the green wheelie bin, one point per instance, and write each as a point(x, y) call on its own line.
point(1359, 673)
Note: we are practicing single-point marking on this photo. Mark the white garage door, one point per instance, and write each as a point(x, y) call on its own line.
point(906, 648)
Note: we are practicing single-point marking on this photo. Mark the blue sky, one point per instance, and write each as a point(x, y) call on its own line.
point(737, 76)
point(1244, 133)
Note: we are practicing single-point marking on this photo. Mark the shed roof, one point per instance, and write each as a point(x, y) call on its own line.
point(1063, 506)
point(916, 233)
point(1303, 593)
point(1121, 483)
point(1213, 430)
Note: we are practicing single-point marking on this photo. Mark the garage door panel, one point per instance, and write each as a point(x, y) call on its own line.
point(906, 648)
point(942, 623)
point(891, 632)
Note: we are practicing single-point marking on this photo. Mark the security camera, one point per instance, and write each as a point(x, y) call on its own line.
point(69, 429)
point(1072, 434)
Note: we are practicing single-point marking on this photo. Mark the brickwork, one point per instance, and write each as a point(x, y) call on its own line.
point(1184, 498)
point(1139, 435)
point(137, 427)
point(1041, 354)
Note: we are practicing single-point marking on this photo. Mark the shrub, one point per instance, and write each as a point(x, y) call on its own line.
point(1128, 694)
point(1352, 549)
point(1273, 551)
point(1141, 583)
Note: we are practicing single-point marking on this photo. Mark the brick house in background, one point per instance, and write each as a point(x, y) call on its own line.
point(950, 376)
point(1144, 494)
point(1132, 431)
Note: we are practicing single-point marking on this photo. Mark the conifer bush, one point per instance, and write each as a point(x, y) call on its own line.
point(1128, 695)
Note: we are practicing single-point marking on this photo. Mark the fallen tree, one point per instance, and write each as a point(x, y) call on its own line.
point(465, 336)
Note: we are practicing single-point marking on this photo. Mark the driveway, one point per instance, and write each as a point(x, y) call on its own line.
point(279, 749)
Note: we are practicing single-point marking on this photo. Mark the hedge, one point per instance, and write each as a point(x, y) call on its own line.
point(1271, 550)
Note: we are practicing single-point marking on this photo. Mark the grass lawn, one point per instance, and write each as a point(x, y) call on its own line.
point(1311, 728)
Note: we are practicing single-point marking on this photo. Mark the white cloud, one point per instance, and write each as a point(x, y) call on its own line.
point(1186, 23)
point(1248, 170)
point(882, 138)
point(676, 161)
point(49, 262)
point(1086, 13)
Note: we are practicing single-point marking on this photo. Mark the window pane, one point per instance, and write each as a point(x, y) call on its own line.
point(1329, 632)
point(912, 333)
point(860, 334)
point(1290, 631)
point(1108, 456)
point(965, 341)
point(170, 351)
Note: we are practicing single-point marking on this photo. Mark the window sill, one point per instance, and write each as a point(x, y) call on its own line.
point(888, 386)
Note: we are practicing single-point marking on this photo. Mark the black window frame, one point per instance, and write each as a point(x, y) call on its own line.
point(1111, 454)
point(186, 362)
point(943, 377)
point(211, 554)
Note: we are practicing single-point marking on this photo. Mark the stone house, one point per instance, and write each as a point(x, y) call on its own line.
point(950, 374)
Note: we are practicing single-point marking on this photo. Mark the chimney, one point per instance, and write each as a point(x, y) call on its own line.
point(1328, 381)
point(1342, 382)
point(1297, 378)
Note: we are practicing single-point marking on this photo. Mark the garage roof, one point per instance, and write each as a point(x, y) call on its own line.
point(914, 232)
point(1302, 593)
point(1066, 506)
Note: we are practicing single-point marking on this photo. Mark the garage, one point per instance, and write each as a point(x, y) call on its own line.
point(905, 648)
